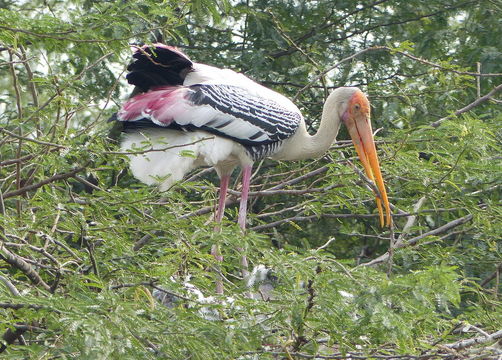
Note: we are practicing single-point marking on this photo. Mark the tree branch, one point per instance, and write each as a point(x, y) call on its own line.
point(287, 192)
point(10, 336)
point(54, 178)
point(475, 103)
point(462, 344)
point(13, 290)
point(315, 30)
point(21, 306)
point(318, 216)
point(141, 152)
point(23, 266)
point(56, 36)
point(492, 276)
point(414, 241)
point(5, 131)
point(411, 220)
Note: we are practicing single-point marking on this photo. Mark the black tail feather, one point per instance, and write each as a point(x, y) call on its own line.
point(157, 67)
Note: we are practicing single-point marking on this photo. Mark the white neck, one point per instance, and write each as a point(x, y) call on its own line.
point(302, 145)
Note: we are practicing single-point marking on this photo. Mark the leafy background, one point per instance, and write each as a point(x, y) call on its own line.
point(83, 244)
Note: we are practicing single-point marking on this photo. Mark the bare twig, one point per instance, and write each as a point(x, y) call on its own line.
point(441, 67)
point(270, 192)
point(153, 285)
point(346, 356)
point(326, 24)
point(15, 83)
point(298, 207)
point(323, 73)
point(31, 83)
point(2, 206)
point(301, 178)
point(10, 336)
point(25, 138)
point(68, 84)
point(411, 220)
point(462, 344)
point(415, 240)
point(145, 239)
point(56, 35)
point(49, 180)
point(140, 152)
point(21, 306)
point(14, 291)
point(61, 244)
point(288, 192)
point(475, 103)
point(88, 183)
point(492, 276)
point(281, 31)
point(23, 266)
point(326, 244)
point(34, 248)
point(310, 217)
point(16, 61)
point(148, 56)
point(386, 48)
point(18, 160)
point(478, 80)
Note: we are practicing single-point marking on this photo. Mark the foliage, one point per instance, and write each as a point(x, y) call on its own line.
point(83, 244)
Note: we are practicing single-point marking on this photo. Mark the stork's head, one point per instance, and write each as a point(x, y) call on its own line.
point(356, 116)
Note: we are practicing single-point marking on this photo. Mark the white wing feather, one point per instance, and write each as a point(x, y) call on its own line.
point(205, 74)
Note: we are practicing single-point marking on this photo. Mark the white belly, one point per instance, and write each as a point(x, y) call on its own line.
point(180, 153)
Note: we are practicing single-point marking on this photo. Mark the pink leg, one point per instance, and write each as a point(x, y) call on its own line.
point(215, 249)
point(246, 180)
point(225, 179)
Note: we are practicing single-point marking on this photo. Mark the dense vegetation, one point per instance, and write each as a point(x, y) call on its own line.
point(83, 244)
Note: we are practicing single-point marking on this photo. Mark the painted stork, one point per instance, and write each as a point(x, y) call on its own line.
point(226, 119)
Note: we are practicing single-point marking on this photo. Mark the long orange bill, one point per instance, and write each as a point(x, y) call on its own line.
point(359, 126)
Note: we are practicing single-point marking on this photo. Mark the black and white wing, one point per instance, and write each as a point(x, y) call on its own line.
point(225, 110)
